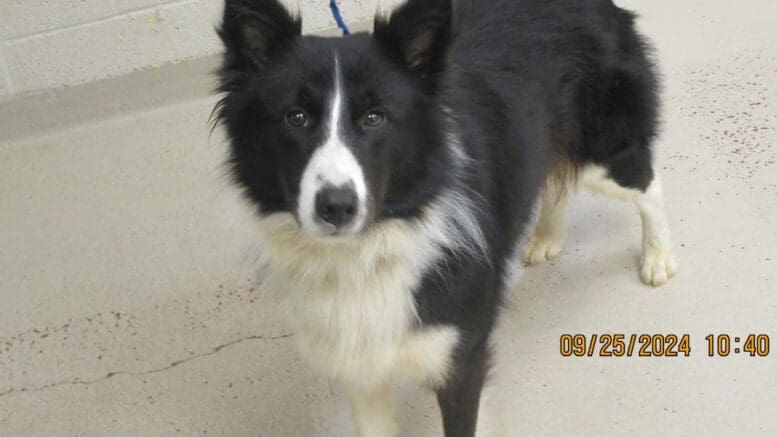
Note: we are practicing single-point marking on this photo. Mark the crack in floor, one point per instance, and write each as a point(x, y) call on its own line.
point(174, 364)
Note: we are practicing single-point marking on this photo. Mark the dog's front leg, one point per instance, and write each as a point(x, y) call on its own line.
point(459, 399)
point(373, 410)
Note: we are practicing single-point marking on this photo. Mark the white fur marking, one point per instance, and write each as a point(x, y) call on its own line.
point(547, 240)
point(333, 163)
point(659, 262)
point(351, 301)
point(459, 203)
point(596, 179)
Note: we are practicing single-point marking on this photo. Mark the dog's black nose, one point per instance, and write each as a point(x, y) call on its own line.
point(336, 206)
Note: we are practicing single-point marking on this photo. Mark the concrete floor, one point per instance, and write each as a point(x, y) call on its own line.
point(126, 308)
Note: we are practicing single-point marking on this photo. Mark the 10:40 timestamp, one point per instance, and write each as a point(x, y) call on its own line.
point(659, 345)
point(722, 345)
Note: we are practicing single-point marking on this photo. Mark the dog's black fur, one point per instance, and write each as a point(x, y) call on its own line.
point(525, 84)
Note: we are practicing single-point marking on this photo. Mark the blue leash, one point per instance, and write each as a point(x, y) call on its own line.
point(339, 17)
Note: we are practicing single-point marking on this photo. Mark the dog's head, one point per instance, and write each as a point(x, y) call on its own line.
point(340, 132)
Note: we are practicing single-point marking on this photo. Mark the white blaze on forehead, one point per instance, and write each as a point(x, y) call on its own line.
point(332, 163)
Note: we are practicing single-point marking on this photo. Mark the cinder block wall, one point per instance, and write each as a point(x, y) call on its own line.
point(49, 44)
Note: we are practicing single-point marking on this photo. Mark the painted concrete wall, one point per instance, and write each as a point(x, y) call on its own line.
point(49, 44)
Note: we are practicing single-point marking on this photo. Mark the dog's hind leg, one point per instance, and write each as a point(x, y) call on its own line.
point(659, 262)
point(373, 411)
point(548, 236)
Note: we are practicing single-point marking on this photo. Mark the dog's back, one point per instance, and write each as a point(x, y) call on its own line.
point(578, 68)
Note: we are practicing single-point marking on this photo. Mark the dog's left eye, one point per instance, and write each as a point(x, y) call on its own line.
point(374, 118)
point(297, 118)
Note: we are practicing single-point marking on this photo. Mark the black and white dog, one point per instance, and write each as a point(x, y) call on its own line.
point(395, 174)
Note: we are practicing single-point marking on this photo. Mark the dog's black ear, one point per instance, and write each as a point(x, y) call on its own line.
point(254, 29)
point(417, 33)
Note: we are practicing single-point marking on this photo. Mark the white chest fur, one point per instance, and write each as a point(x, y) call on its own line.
point(351, 303)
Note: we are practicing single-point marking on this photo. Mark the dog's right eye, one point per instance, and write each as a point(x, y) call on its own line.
point(297, 118)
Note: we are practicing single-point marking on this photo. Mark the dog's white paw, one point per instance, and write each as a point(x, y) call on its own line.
point(658, 266)
point(541, 249)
